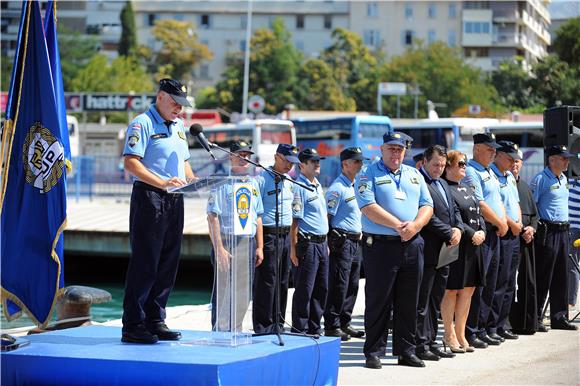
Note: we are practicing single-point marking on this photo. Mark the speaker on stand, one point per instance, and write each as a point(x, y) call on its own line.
point(562, 127)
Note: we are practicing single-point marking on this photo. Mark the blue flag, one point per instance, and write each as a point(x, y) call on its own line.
point(33, 200)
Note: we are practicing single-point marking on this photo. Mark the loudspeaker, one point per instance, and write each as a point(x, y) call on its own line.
point(562, 127)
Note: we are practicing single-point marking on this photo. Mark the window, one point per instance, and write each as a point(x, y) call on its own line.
point(299, 21)
point(485, 28)
point(431, 36)
point(243, 45)
point(432, 11)
point(327, 22)
point(451, 37)
point(244, 22)
point(452, 11)
point(371, 38)
point(178, 16)
point(151, 19)
point(408, 37)
point(408, 12)
point(372, 10)
point(205, 21)
point(204, 71)
point(476, 27)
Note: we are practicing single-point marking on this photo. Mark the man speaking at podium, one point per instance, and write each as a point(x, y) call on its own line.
point(156, 155)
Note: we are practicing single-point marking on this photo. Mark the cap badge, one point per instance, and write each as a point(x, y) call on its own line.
point(397, 135)
point(516, 146)
point(564, 148)
point(183, 89)
point(492, 135)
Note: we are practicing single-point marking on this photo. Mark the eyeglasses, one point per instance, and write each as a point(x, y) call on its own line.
point(462, 164)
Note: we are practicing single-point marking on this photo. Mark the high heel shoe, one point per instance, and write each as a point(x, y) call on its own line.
point(454, 349)
point(467, 347)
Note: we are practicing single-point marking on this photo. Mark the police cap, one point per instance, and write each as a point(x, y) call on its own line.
point(509, 148)
point(289, 152)
point(352, 153)
point(560, 150)
point(486, 138)
point(241, 146)
point(309, 154)
point(397, 138)
point(177, 91)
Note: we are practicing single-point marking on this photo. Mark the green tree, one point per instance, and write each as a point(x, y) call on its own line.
point(555, 82)
point(320, 91)
point(512, 84)
point(128, 42)
point(180, 50)
point(274, 65)
point(76, 51)
point(567, 42)
point(442, 76)
point(123, 74)
point(6, 72)
point(355, 68)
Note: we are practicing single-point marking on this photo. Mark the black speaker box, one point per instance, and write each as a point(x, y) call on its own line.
point(562, 127)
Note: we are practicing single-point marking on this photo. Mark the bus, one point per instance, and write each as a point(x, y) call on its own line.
point(529, 136)
point(453, 133)
point(264, 134)
point(329, 136)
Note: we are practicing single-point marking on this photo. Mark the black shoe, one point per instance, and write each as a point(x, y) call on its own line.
point(507, 334)
point(139, 334)
point(489, 341)
point(352, 332)
point(477, 343)
point(562, 325)
point(442, 354)
point(542, 327)
point(373, 362)
point(338, 333)
point(163, 332)
point(497, 337)
point(410, 360)
point(427, 356)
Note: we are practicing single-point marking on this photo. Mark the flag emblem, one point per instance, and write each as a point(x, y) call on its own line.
point(43, 158)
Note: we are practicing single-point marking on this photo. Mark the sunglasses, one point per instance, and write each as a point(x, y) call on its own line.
point(462, 164)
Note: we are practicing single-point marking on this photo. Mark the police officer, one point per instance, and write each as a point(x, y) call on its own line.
point(344, 238)
point(550, 189)
point(309, 249)
point(274, 270)
point(486, 188)
point(156, 154)
point(509, 244)
point(229, 251)
point(395, 205)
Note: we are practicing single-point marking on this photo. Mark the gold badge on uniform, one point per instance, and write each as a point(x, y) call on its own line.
point(181, 134)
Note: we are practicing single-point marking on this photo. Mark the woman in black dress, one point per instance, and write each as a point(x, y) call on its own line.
point(465, 273)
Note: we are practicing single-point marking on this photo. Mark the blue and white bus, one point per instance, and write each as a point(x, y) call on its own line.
point(453, 133)
point(329, 136)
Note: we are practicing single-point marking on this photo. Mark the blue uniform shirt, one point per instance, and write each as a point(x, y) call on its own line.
point(163, 150)
point(342, 206)
point(508, 190)
point(310, 208)
point(551, 194)
point(265, 182)
point(376, 184)
point(485, 185)
point(221, 202)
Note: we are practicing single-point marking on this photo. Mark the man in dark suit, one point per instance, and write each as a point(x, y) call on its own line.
point(445, 227)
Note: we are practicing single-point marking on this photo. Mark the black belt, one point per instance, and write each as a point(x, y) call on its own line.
point(312, 237)
point(556, 226)
point(146, 186)
point(272, 230)
point(382, 237)
point(347, 235)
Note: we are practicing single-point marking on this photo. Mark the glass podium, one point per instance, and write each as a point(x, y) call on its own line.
point(230, 215)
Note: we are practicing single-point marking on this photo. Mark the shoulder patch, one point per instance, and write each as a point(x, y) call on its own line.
point(332, 203)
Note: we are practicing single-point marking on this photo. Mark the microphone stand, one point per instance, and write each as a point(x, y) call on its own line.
point(278, 177)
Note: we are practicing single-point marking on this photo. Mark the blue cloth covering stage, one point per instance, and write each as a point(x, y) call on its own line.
point(94, 355)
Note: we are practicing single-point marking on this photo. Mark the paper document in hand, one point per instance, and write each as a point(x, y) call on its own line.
point(448, 255)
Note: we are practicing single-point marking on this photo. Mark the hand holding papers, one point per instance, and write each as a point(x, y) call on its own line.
point(448, 255)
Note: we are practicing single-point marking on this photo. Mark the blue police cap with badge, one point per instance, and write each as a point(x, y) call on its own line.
point(241, 146)
point(309, 155)
point(397, 138)
point(486, 139)
point(289, 152)
point(509, 148)
point(560, 150)
point(354, 153)
point(176, 90)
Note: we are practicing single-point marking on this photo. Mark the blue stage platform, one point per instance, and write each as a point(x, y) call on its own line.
point(94, 355)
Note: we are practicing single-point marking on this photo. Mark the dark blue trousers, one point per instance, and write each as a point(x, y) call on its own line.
point(265, 281)
point(155, 234)
point(483, 296)
point(310, 286)
point(506, 282)
point(552, 273)
point(344, 273)
point(393, 271)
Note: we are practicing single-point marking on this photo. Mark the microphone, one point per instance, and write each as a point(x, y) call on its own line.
point(197, 131)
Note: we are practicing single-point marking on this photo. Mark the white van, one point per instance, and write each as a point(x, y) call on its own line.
point(264, 134)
